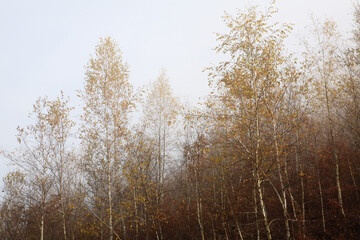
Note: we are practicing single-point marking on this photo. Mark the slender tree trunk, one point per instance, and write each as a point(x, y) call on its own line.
point(108, 170)
point(303, 206)
point(61, 187)
point(164, 156)
point(159, 167)
point(110, 206)
point(258, 179)
point(262, 206)
point(235, 219)
point(199, 210)
point(353, 179)
point(198, 202)
point(337, 163)
point(225, 228)
point(292, 199)
point(299, 169)
point(283, 190)
point(321, 202)
point(338, 186)
point(123, 223)
point(159, 195)
point(43, 199)
point(256, 213)
point(188, 194)
point(222, 207)
point(213, 227)
point(136, 216)
point(157, 235)
point(63, 215)
point(42, 226)
point(101, 230)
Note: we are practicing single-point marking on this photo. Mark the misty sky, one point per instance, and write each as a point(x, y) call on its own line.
point(44, 45)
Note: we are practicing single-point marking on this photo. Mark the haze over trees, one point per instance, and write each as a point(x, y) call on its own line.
point(272, 153)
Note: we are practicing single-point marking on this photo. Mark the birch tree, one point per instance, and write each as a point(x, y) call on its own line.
point(322, 68)
point(63, 163)
point(251, 84)
point(160, 111)
point(41, 147)
point(108, 99)
point(13, 207)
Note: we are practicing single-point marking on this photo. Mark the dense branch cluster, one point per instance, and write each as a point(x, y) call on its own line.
point(273, 153)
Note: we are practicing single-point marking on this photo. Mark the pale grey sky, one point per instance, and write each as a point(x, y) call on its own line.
point(44, 45)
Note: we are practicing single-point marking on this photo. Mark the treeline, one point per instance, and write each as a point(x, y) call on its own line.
point(273, 153)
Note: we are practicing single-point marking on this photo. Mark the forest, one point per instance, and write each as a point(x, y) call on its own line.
point(271, 153)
